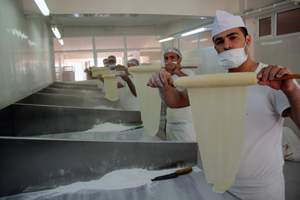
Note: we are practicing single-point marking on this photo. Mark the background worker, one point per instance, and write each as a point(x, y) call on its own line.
point(130, 101)
point(105, 62)
point(179, 121)
point(260, 174)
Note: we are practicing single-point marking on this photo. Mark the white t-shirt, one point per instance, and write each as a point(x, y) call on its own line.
point(130, 102)
point(180, 123)
point(180, 114)
point(262, 160)
point(121, 91)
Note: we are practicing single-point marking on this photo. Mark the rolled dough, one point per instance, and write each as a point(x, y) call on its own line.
point(219, 115)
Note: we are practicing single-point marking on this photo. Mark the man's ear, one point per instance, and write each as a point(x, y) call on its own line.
point(248, 40)
point(180, 59)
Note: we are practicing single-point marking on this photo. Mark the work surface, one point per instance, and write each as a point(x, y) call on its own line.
point(190, 186)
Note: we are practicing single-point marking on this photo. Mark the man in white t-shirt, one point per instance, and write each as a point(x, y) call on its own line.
point(111, 60)
point(130, 100)
point(260, 174)
point(179, 121)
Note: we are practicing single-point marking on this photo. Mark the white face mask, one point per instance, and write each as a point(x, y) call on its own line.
point(172, 62)
point(233, 58)
point(112, 65)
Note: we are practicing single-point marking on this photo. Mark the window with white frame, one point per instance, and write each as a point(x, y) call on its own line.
point(285, 22)
point(288, 22)
point(84, 52)
point(265, 27)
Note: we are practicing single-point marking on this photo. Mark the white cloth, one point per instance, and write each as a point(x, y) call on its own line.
point(224, 21)
point(260, 172)
point(180, 123)
point(290, 145)
point(130, 102)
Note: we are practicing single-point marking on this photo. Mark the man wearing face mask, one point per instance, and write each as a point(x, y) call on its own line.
point(112, 66)
point(105, 62)
point(179, 121)
point(260, 174)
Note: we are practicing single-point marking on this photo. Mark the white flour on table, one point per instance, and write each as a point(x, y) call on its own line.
point(109, 108)
point(115, 180)
point(106, 127)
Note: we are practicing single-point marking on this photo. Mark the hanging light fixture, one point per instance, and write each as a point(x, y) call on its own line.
point(61, 41)
point(56, 31)
point(166, 39)
point(43, 7)
point(193, 32)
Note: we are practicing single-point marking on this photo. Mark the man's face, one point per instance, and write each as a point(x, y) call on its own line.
point(111, 62)
point(230, 39)
point(170, 57)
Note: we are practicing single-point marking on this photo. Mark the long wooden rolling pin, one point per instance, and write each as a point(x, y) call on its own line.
point(223, 80)
point(183, 67)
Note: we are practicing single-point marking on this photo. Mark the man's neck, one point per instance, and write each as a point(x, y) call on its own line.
point(248, 66)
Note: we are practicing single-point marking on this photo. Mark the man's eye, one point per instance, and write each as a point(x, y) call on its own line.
point(219, 42)
point(233, 37)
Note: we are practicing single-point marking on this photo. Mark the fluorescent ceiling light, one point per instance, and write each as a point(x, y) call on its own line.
point(166, 39)
point(56, 32)
point(43, 7)
point(61, 41)
point(193, 32)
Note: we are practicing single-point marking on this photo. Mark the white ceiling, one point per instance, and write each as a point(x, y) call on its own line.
point(64, 15)
point(119, 19)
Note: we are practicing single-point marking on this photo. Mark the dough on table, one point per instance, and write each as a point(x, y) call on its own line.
point(149, 100)
point(110, 86)
point(218, 103)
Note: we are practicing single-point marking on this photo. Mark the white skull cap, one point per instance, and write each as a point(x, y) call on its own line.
point(111, 57)
point(174, 50)
point(133, 61)
point(224, 21)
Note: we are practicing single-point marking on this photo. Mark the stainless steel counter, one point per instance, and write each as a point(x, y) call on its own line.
point(61, 91)
point(70, 101)
point(35, 164)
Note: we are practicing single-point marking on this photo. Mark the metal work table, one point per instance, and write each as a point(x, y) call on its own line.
point(192, 186)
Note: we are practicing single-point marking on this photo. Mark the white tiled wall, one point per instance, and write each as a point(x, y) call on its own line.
point(285, 51)
point(25, 53)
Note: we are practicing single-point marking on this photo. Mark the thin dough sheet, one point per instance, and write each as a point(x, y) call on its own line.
point(111, 90)
point(219, 116)
point(149, 102)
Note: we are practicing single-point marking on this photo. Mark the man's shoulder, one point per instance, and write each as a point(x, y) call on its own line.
point(188, 72)
point(260, 66)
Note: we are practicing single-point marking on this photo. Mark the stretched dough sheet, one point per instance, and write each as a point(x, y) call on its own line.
point(219, 116)
point(149, 100)
point(110, 86)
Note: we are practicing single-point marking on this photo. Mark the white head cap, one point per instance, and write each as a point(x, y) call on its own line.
point(174, 50)
point(111, 58)
point(105, 60)
point(225, 21)
point(133, 61)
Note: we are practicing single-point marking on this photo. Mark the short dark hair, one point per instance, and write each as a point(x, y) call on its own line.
point(244, 31)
